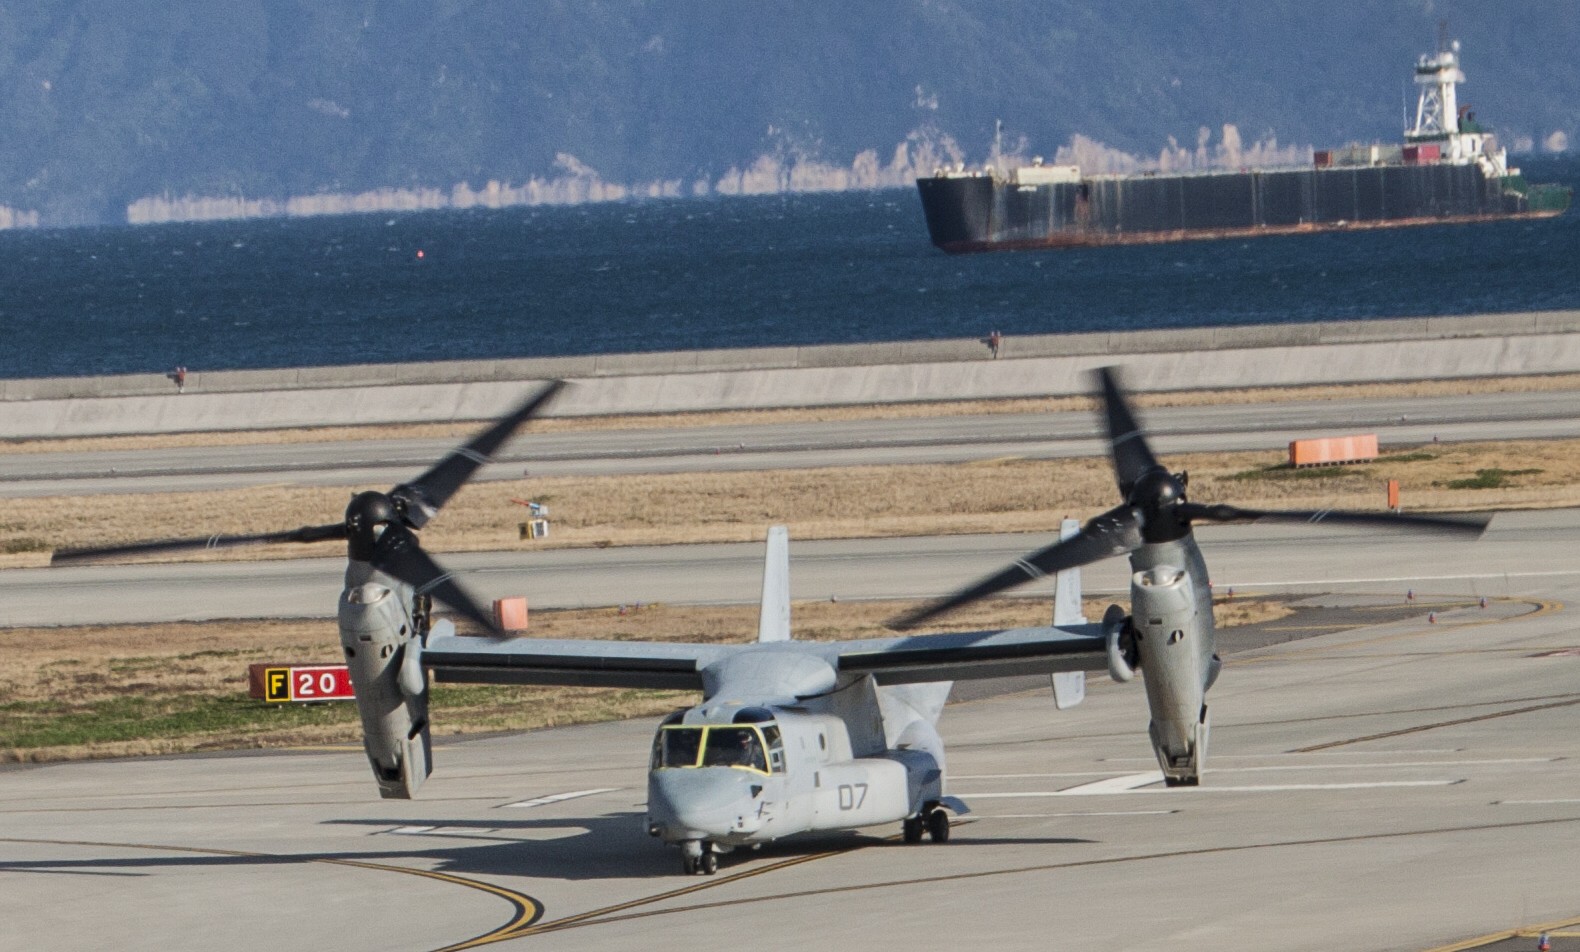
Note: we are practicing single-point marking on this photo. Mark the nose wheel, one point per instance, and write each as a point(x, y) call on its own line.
point(699, 858)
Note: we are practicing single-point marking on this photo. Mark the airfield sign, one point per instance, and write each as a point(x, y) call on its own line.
point(280, 684)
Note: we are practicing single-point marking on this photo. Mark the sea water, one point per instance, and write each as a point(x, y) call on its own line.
point(701, 273)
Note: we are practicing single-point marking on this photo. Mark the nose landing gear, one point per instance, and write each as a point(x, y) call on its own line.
point(698, 857)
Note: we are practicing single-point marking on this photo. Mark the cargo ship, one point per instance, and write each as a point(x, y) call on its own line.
point(1449, 168)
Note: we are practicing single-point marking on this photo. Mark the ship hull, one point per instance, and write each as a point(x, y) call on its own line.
point(982, 213)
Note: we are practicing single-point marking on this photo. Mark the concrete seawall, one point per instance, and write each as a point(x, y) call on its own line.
point(1261, 355)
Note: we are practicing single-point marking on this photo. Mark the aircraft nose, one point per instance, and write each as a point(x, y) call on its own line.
point(702, 803)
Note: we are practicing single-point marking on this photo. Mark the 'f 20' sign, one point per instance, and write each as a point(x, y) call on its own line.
point(329, 682)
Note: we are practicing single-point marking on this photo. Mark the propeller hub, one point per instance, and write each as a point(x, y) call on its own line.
point(368, 515)
point(1158, 495)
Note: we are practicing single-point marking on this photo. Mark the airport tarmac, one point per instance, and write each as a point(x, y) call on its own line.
point(1405, 785)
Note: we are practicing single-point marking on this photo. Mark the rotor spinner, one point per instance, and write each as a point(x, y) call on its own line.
point(367, 517)
point(1158, 495)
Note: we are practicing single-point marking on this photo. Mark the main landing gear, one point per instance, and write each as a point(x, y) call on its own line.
point(931, 822)
point(698, 858)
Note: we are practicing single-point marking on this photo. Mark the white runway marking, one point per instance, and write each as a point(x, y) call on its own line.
point(1113, 784)
point(1377, 765)
point(1394, 763)
point(1028, 776)
point(1146, 783)
point(486, 833)
point(1281, 787)
point(1041, 816)
point(1554, 573)
point(1314, 753)
point(1527, 802)
point(560, 797)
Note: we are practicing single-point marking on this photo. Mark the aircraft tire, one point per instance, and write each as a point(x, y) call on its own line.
point(689, 865)
point(938, 826)
point(913, 828)
point(710, 863)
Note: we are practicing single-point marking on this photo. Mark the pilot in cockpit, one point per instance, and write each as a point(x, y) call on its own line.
point(734, 747)
point(748, 753)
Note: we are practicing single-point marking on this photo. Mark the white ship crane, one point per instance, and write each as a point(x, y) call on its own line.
point(1438, 117)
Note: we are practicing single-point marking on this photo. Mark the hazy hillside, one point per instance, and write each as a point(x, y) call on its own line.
point(106, 101)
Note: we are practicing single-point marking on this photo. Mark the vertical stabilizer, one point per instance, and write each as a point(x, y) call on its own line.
point(774, 622)
point(1067, 585)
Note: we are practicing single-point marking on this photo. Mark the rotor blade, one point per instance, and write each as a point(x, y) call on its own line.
point(1127, 443)
point(1453, 525)
point(424, 496)
point(1115, 532)
point(397, 554)
point(165, 546)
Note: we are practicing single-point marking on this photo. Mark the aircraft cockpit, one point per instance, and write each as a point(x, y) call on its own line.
point(748, 744)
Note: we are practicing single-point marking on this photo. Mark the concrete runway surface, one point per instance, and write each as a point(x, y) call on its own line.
point(1401, 785)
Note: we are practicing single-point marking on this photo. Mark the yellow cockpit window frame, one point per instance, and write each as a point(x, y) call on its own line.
point(702, 746)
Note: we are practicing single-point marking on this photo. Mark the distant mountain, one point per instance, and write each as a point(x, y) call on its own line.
point(104, 102)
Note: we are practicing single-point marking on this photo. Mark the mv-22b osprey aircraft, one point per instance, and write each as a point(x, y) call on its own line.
point(792, 736)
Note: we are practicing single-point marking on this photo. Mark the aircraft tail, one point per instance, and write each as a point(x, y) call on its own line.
point(1069, 687)
point(1067, 585)
point(773, 624)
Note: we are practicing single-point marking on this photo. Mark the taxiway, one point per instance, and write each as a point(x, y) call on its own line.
point(1404, 785)
point(1408, 784)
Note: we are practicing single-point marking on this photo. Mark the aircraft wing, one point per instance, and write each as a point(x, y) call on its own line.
point(963, 656)
point(587, 663)
point(957, 656)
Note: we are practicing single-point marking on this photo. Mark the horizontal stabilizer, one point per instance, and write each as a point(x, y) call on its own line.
point(1069, 689)
point(954, 805)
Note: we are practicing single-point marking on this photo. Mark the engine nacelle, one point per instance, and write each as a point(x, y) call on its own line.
point(1174, 644)
point(383, 651)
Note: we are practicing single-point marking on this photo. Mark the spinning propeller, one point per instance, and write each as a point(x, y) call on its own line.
point(1156, 510)
point(379, 528)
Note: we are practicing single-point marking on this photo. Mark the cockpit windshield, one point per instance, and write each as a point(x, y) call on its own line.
point(734, 747)
point(748, 746)
point(678, 747)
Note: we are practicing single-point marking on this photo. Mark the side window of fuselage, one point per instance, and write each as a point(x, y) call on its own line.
point(776, 748)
